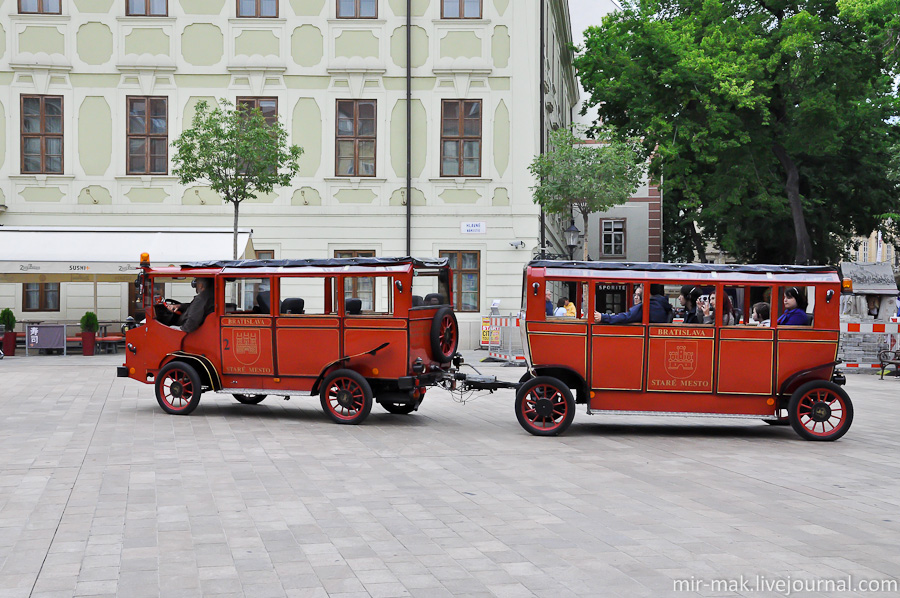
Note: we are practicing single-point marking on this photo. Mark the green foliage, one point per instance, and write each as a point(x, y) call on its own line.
point(8, 319)
point(585, 177)
point(89, 322)
point(236, 152)
point(770, 124)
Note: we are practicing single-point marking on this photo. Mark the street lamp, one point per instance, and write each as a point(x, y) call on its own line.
point(571, 234)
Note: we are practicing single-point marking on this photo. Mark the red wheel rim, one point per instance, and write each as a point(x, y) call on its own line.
point(544, 407)
point(177, 390)
point(448, 334)
point(821, 412)
point(345, 398)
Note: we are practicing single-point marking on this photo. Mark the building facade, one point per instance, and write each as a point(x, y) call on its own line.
point(93, 92)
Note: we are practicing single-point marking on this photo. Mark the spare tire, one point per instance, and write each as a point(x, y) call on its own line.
point(444, 335)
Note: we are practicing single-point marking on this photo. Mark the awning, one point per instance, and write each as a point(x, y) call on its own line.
point(870, 279)
point(56, 254)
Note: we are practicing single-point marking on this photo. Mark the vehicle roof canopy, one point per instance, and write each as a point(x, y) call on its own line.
point(364, 264)
point(662, 270)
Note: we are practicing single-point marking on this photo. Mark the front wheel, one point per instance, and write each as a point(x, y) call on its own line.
point(249, 399)
point(346, 397)
point(545, 406)
point(178, 388)
point(820, 410)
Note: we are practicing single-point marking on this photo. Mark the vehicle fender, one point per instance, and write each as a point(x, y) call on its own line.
point(202, 364)
point(566, 375)
point(342, 363)
point(795, 380)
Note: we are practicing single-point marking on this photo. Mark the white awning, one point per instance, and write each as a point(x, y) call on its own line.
point(56, 254)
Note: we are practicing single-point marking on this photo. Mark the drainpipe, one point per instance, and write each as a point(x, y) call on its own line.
point(542, 123)
point(409, 127)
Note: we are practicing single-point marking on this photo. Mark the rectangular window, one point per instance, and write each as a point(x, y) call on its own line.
point(148, 135)
point(40, 296)
point(268, 107)
point(613, 232)
point(265, 254)
point(360, 287)
point(310, 296)
point(42, 134)
point(460, 9)
point(355, 138)
point(40, 7)
point(357, 9)
point(257, 8)
point(466, 268)
point(247, 296)
point(147, 8)
point(461, 138)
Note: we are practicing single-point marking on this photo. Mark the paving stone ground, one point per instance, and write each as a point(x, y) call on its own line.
point(103, 494)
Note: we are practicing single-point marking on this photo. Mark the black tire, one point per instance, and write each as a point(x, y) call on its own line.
point(444, 335)
point(820, 404)
point(399, 408)
point(178, 388)
point(783, 420)
point(346, 397)
point(545, 406)
point(249, 399)
point(525, 377)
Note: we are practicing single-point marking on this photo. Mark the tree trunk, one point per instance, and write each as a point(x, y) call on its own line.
point(236, 206)
point(697, 240)
point(803, 247)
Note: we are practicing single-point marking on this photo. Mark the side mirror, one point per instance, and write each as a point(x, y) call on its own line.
point(828, 295)
point(399, 286)
point(536, 288)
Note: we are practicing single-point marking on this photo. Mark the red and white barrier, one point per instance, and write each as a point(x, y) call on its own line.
point(508, 346)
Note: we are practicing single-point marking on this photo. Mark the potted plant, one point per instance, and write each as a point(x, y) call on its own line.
point(8, 321)
point(89, 328)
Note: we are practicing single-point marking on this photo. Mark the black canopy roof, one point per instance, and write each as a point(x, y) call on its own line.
point(670, 267)
point(323, 263)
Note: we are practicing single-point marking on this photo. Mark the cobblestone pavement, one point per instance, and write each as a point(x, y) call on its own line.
point(103, 494)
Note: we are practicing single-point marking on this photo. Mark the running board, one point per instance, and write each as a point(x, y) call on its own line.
point(684, 414)
point(262, 391)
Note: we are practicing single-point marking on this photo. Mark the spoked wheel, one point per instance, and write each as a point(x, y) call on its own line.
point(820, 410)
point(544, 406)
point(178, 388)
point(346, 397)
point(250, 399)
point(444, 335)
point(399, 408)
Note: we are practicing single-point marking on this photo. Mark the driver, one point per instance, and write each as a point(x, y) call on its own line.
point(202, 305)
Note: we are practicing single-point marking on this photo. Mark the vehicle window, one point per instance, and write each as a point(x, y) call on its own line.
point(247, 296)
point(691, 300)
point(794, 308)
point(611, 298)
point(178, 289)
point(369, 295)
point(312, 296)
point(430, 287)
point(566, 298)
point(751, 305)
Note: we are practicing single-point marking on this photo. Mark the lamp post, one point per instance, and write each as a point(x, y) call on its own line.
point(571, 235)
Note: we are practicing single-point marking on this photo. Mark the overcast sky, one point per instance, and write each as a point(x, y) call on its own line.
point(584, 14)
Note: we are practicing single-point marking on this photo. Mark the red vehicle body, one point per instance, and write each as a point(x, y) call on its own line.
point(782, 374)
point(349, 330)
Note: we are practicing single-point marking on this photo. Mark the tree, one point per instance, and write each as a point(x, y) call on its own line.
point(236, 152)
point(770, 122)
point(585, 177)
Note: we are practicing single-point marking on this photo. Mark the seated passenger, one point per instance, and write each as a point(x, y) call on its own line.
point(709, 311)
point(560, 311)
point(660, 309)
point(794, 308)
point(570, 309)
point(688, 300)
point(203, 304)
point(761, 314)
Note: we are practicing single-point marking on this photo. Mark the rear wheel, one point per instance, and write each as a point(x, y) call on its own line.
point(178, 388)
point(545, 406)
point(346, 397)
point(399, 408)
point(250, 399)
point(820, 410)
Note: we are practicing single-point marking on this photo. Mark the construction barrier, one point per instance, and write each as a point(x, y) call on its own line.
point(889, 340)
point(505, 339)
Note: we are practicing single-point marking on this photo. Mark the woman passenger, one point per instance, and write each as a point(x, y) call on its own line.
point(709, 311)
point(794, 308)
point(688, 300)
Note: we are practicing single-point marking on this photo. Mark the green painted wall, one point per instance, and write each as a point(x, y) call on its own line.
point(95, 135)
point(501, 197)
point(460, 196)
point(202, 7)
point(2, 41)
point(42, 194)
point(201, 196)
point(151, 41)
point(355, 196)
point(307, 45)
point(306, 131)
point(398, 138)
point(356, 43)
point(419, 46)
point(2, 135)
point(501, 5)
point(263, 198)
point(95, 195)
point(418, 198)
point(499, 83)
point(419, 7)
point(263, 43)
point(306, 196)
point(501, 138)
point(42, 39)
point(500, 47)
point(95, 80)
point(94, 43)
point(213, 81)
point(460, 44)
point(308, 8)
point(98, 6)
point(306, 82)
point(143, 195)
point(202, 44)
point(399, 83)
point(191, 104)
